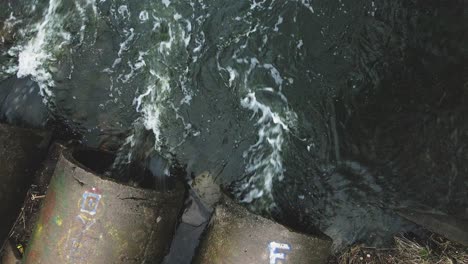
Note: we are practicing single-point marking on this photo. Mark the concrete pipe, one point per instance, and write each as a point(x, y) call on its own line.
point(238, 236)
point(9, 254)
point(21, 152)
point(22, 229)
point(87, 218)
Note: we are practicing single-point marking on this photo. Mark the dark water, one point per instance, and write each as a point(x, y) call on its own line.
point(325, 115)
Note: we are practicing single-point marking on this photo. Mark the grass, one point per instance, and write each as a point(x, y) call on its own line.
point(433, 250)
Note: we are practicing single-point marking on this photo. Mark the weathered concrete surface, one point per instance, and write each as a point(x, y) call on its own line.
point(447, 226)
point(23, 227)
point(238, 236)
point(21, 152)
point(86, 218)
point(45, 172)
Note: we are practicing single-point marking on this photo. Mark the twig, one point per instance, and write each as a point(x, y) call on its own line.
point(34, 197)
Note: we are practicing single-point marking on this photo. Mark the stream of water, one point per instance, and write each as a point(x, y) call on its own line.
point(324, 114)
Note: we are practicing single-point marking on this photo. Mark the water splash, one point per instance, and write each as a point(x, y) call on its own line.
point(39, 55)
point(155, 67)
point(35, 55)
point(264, 157)
point(149, 105)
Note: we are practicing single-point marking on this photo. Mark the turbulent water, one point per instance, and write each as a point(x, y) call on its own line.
point(325, 115)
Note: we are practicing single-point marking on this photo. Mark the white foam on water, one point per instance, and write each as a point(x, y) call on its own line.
point(154, 101)
point(233, 74)
point(166, 2)
point(130, 141)
point(187, 36)
point(34, 55)
point(166, 46)
point(280, 21)
point(177, 16)
point(135, 68)
point(264, 161)
point(185, 87)
point(257, 4)
point(143, 16)
point(83, 16)
point(200, 41)
point(123, 11)
point(307, 4)
point(11, 21)
point(300, 44)
point(264, 157)
point(139, 99)
point(274, 73)
point(149, 104)
point(125, 45)
point(9, 67)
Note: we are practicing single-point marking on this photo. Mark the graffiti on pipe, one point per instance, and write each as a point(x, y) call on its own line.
point(81, 232)
point(275, 255)
point(90, 202)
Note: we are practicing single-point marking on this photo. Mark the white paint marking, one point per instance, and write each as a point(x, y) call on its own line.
point(274, 256)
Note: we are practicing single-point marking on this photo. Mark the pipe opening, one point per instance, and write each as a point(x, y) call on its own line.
point(94, 160)
point(138, 174)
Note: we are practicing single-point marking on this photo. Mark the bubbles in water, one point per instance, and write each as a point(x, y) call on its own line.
point(34, 56)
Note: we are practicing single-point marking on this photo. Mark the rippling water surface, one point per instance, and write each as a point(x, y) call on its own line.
point(325, 115)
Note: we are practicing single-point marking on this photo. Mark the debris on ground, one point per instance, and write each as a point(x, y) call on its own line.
point(407, 250)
